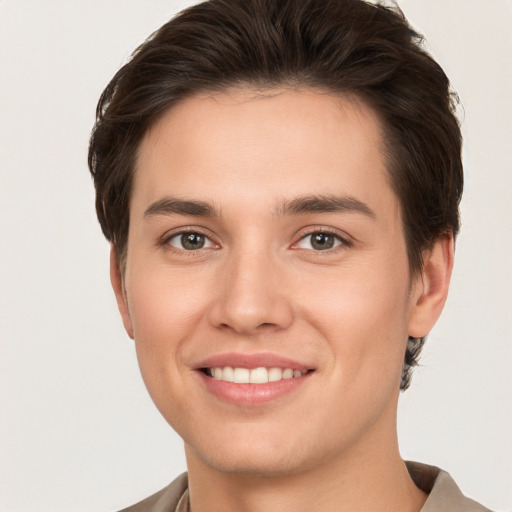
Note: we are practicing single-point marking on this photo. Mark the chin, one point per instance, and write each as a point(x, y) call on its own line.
point(264, 465)
point(273, 456)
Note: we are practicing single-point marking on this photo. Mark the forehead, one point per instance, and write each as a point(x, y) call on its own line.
point(257, 146)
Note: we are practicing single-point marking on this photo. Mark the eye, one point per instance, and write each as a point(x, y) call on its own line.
point(320, 241)
point(189, 241)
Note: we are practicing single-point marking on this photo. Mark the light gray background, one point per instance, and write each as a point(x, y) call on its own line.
point(78, 431)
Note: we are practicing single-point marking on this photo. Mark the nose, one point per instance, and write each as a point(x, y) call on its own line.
point(252, 296)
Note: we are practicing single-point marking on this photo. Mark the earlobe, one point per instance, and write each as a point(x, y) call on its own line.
point(117, 285)
point(431, 287)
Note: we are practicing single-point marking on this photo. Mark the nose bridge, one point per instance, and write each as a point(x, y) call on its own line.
point(252, 295)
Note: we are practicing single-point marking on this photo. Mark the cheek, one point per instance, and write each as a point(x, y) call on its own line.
point(363, 314)
point(162, 306)
point(164, 310)
point(162, 315)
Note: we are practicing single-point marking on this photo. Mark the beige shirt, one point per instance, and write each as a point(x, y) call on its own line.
point(444, 495)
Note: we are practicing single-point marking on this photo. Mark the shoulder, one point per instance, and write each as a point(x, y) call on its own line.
point(165, 500)
point(444, 494)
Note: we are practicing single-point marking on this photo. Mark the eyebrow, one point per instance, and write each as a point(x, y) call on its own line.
point(296, 206)
point(324, 204)
point(173, 205)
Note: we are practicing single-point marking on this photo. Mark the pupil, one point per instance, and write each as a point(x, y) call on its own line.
point(192, 241)
point(321, 241)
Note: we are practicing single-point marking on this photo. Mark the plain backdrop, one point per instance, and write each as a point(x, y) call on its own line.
point(78, 431)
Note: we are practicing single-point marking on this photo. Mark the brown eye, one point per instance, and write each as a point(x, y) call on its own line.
point(320, 241)
point(190, 241)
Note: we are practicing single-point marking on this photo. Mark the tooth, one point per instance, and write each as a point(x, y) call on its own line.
point(259, 376)
point(241, 375)
point(288, 373)
point(228, 374)
point(275, 374)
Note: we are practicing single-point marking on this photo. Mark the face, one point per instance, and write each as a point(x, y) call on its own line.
point(267, 285)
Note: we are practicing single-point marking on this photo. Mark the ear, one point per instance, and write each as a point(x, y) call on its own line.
point(430, 288)
point(117, 285)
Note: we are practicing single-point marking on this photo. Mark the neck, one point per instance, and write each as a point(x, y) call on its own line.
point(374, 478)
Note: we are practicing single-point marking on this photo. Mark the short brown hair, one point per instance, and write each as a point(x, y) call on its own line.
point(340, 46)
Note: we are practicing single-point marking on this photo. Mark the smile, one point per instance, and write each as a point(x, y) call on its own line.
point(259, 375)
point(253, 380)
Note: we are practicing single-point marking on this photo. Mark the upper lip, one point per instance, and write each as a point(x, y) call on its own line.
point(240, 360)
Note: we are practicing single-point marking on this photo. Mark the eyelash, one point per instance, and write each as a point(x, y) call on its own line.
point(345, 241)
point(165, 241)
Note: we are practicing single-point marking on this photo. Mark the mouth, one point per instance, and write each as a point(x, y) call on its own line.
point(253, 380)
point(259, 375)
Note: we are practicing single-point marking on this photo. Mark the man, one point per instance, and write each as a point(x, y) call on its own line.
point(280, 183)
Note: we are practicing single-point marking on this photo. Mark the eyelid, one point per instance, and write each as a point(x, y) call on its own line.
point(345, 239)
point(183, 230)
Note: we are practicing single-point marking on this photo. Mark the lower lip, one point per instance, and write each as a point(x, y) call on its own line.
point(252, 395)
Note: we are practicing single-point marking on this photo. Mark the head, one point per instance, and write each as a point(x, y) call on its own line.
point(365, 54)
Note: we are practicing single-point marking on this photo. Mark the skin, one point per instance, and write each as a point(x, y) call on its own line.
point(259, 285)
